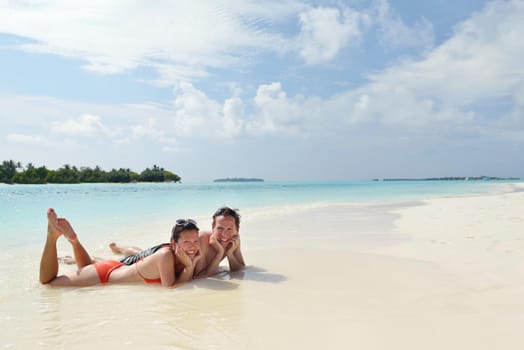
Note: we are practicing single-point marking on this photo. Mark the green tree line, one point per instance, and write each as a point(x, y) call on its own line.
point(12, 172)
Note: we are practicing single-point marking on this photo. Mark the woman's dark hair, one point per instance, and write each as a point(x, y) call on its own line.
point(182, 225)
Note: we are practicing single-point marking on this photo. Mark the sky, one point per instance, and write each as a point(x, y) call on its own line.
point(283, 90)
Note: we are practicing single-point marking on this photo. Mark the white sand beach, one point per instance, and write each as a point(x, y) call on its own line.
point(445, 273)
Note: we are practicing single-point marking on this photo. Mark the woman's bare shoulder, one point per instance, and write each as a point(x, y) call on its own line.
point(162, 254)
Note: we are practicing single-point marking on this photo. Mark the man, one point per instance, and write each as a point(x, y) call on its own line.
point(223, 241)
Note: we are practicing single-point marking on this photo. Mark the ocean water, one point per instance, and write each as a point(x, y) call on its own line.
point(103, 207)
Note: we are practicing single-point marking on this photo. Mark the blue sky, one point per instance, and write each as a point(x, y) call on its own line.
point(282, 90)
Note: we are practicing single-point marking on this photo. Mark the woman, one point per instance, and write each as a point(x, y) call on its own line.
point(171, 265)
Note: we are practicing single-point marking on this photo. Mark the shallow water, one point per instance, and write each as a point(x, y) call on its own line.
point(113, 209)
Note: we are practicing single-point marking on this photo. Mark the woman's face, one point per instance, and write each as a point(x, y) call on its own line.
point(189, 243)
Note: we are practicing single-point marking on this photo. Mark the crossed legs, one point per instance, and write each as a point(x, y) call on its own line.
point(49, 262)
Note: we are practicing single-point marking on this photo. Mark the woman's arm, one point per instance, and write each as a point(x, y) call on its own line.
point(189, 266)
point(166, 267)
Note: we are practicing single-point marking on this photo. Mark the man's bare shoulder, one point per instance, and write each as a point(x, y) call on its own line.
point(204, 237)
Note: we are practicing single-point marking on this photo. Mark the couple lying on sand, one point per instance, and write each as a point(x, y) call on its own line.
point(188, 255)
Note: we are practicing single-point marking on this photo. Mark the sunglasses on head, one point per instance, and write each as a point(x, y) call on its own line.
point(185, 222)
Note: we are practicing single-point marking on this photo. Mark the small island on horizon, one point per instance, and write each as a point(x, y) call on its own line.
point(454, 178)
point(239, 179)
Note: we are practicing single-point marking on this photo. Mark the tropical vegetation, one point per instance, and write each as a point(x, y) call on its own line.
point(12, 172)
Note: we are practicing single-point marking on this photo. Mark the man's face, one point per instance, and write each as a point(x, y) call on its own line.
point(225, 230)
point(189, 243)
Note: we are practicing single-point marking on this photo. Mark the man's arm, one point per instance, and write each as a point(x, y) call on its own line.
point(234, 255)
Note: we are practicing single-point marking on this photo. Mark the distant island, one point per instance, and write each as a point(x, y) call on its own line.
point(239, 179)
point(455, 178)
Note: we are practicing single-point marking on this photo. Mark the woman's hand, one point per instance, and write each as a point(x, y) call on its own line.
point(182, 256)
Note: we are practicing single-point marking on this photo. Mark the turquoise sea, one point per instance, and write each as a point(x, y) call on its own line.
point(103, 207)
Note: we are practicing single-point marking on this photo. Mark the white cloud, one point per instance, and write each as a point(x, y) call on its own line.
point(399, 106)
point(146, 130)
point(197, 115)
point(29, 139)
point(478, 66)
point(194, 111)
point(169, 73)
point(443, 90)
point(511, 125)
point(152, 131)
point(183, 40)
point(43, 118)
point(275, 112)
point(233, 111)
point(85, 125)
point(394, 33)
point(480, 62)
point(179, 38)
point(172, 149)
point(325, 31)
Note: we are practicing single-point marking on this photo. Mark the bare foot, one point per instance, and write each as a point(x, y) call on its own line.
point(53, 230)
point(67, 229)
point(115, 248)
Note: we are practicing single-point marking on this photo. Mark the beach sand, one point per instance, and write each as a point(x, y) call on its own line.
point(444, 273)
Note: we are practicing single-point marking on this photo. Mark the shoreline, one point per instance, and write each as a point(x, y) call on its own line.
point(153, 232)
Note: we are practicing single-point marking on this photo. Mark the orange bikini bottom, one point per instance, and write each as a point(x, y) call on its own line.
point(105, 267)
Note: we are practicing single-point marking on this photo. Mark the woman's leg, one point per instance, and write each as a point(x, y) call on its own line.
point(69, 260)
point(82, 258)
point(49, 260)
point(85, 276)
point(124, 250)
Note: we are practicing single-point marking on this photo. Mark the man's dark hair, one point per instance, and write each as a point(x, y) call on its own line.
point(227, 211)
